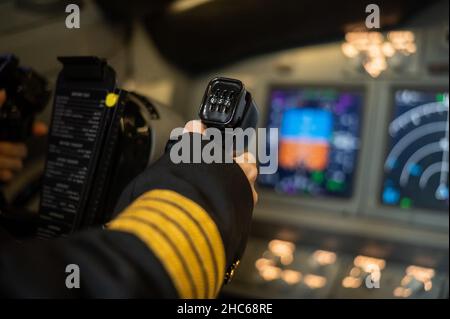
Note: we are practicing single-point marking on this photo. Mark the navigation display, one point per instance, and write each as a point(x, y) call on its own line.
point(416, 163)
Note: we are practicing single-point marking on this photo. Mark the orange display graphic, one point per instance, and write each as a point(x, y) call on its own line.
point(312, 155)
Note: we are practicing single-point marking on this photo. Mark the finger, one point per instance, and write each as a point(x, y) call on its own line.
point(5, 175)
point(40, 129)
point(13, 149)
point(2, 97)
point(247, 162)
point(250, 171)
point(10, 163)
point(246, 157)
point(194, 126)
point(255, 195)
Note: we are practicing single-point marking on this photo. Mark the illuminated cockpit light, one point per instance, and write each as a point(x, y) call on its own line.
point(374, 50)
point(323, 257)
point(291, 277)
point(315, 281)
point(270, 273)
point(351, 282)
point(369, 264)
point(281, 247)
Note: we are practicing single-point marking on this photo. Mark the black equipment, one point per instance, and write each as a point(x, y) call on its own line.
point(100, 138)
point(27, 94)
point(226, 104)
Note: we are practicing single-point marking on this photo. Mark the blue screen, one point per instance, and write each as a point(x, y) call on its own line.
point(307, 123)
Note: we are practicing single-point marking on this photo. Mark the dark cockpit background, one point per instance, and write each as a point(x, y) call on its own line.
point(358, 207)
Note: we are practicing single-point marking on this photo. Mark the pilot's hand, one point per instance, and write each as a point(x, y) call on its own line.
point(246, 161)
point(12, 154)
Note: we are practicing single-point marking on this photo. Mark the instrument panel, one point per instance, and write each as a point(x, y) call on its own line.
point(320, 265)
point(416, 165)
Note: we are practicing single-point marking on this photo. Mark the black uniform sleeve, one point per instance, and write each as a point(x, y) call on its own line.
point(179, 228)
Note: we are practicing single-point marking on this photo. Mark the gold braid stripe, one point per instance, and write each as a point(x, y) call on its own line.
point(190, 246)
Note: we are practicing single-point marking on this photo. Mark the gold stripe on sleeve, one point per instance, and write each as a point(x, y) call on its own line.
point(193, 234)
point(180, 239)
point(162, 250)
point(202, 218)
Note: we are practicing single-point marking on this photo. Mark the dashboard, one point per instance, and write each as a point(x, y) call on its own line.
point(359, 204)
point(312, 264)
